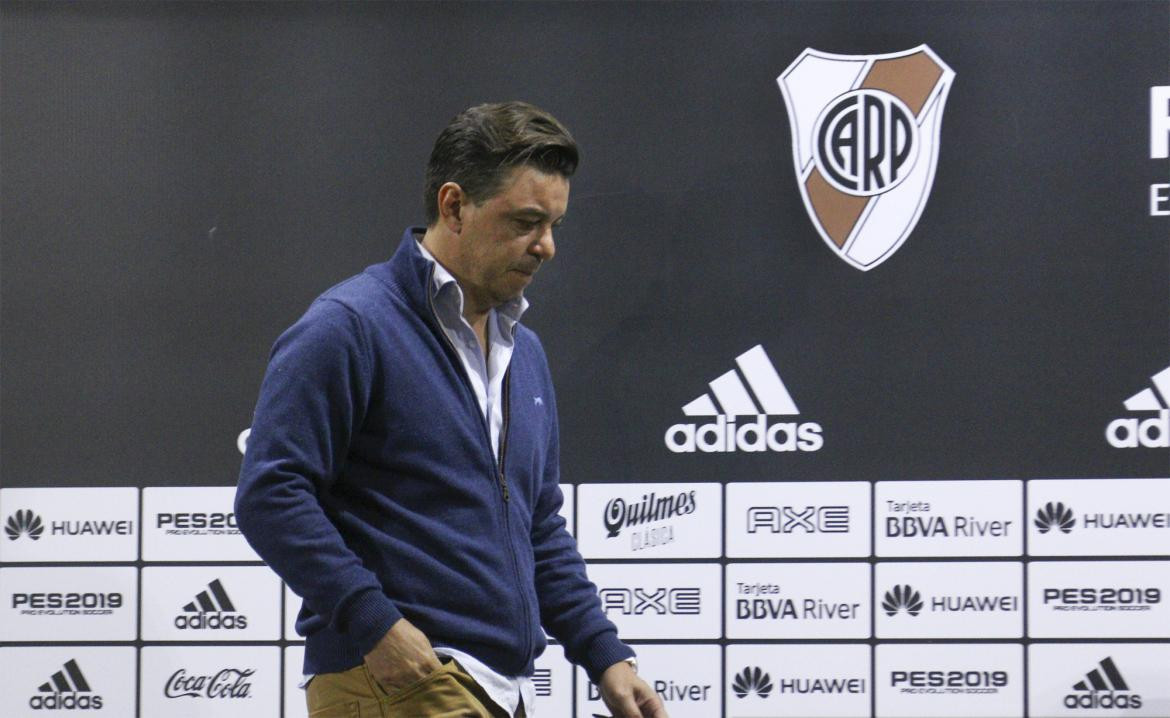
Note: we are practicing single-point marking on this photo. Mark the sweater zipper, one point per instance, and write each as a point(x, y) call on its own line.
point(497, 463)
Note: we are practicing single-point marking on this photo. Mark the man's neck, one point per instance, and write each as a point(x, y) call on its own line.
point(439, 243)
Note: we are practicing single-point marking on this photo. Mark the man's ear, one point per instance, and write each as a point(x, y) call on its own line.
point(450, 201)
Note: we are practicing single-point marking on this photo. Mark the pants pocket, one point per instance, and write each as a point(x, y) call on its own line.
point(393, 695)
point(338, 695)
point(345, 709)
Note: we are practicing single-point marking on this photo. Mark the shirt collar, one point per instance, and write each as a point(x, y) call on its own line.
point(509, 312)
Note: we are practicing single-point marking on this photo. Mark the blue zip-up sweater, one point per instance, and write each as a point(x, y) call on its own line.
point(369, 485)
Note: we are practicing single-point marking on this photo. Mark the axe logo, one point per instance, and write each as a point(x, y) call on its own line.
point(657, 601)
point(790, 519)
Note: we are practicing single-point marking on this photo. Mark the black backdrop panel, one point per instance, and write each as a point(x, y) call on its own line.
point(179, 181)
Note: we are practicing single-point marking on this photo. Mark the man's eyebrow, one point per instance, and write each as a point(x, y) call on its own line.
point(530, 212)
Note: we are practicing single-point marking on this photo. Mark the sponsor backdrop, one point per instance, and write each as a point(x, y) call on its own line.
point(860, 325)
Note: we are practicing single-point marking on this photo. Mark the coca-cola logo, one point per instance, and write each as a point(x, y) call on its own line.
point(228, 683)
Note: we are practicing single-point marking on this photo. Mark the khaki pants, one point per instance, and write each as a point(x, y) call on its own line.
point(449, 692)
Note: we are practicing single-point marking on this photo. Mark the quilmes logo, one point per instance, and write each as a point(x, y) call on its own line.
point(677, 601)
point(66, 689)
point(211, 610)
point(1054, 516)
point(804, 519)
point(1058, 516)
point(905, 598)
point(1103, 687)
point(652, 509)
point(727, 432)
point(751, 680)
point(865, 138)
point(1098, 598)
point(1152, 432)
point(24, 523)
point(226, 683)
point(902, 598)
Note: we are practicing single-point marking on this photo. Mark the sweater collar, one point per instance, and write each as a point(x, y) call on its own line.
point(408, 272)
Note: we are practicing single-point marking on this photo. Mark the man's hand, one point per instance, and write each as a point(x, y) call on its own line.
point(627, 696)
point(401, 657)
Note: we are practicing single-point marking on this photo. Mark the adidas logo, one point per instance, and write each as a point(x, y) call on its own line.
point(752, 680)
point(26, 523)
point(66, 689)
point(1152, 433)
point(1054, 516)
point(211, 609)
point(902, 598)
point(1103, 687)
point(771, 398)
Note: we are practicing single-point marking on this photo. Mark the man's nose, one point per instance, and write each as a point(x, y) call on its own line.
point(544, 247)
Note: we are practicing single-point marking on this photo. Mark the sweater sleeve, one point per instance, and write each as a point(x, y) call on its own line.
point(313, 396)
point(570, 609)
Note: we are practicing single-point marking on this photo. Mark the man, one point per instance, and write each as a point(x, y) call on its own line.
point(402, 470)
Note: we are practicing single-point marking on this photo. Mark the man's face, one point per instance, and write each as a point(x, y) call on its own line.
point(505, 239)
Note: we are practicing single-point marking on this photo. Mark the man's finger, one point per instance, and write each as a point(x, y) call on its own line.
point(651, 707)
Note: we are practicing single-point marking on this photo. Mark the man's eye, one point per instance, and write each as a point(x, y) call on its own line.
point(527, 225)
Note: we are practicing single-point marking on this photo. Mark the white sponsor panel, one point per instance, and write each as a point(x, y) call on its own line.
point(1099, 599)
point(649, 521)
point(950, 681)
point(553, 683)
point(949, 600)
point(661, 600)
point(948, 518)
point(798, 681)
point(192, 523)
point(801, 600)
point(1099, 517)
point(1088, 680)
point(686, 678)
point(69, 524)
point(210, 681)
point(69, 604)
point(798, 519)
point(292, 606)
point(294, 696)
point(566, 511)
point(67, 681)
point(210, 603)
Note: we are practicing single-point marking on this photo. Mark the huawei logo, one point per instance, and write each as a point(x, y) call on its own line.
point(752, 680)
point(24, 522)
point(902, 598)
point(1055, 516)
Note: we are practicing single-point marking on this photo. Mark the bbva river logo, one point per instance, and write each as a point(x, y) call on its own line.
point(865, 136)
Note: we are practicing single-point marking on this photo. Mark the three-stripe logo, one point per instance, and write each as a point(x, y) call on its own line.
point(1103, 687)
point(755, 390)
point(1152, 432)
point(66, 689)
point(211, 609)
